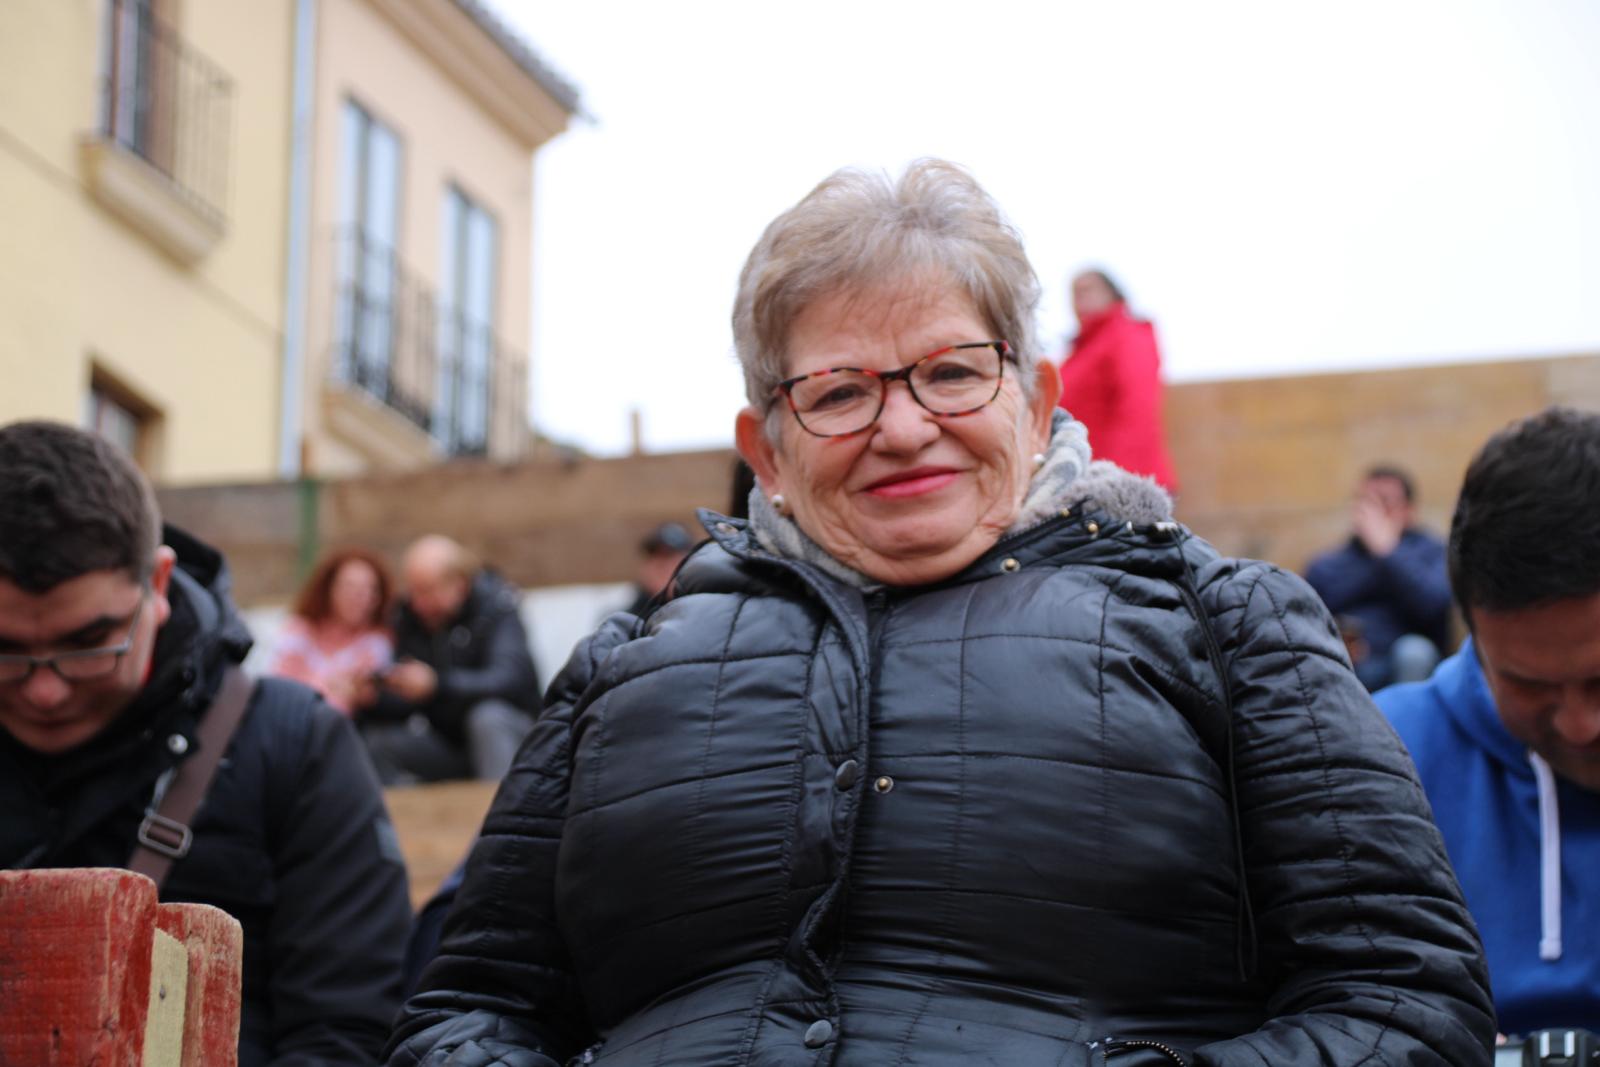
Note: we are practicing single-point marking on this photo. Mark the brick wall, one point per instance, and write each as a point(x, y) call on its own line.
point(1266, 465)
point(543, 523)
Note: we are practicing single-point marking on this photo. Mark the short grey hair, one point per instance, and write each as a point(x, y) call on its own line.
point(859, 230)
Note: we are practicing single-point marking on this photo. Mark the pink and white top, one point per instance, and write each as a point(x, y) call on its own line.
point(332, 665)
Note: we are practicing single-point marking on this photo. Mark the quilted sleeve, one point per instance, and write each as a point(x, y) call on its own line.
point(1365, 945)
point(502, 989)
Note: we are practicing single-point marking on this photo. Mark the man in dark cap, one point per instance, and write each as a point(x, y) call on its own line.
point(659, 556)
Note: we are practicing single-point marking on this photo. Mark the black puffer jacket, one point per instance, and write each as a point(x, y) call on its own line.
point(782, 823)
point(292, 839)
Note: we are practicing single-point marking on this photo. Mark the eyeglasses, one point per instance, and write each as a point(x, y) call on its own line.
point(81, 665)
point(840, 401)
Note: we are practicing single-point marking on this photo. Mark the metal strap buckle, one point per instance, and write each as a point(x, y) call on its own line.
point(166, 836)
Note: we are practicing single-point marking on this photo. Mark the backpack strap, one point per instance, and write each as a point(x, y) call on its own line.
point(164, 835)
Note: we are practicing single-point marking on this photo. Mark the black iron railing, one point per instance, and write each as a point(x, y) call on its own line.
point(430, 363)
point(168, 104)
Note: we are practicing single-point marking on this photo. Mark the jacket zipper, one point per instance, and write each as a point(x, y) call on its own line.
point(1115, 1045)
point(876, 604)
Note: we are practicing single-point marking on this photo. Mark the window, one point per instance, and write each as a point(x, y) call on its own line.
point(166, 103)
point(117, 424)
point(369, 215)
point(138, 75)
point(114, 412)
point(468, 280)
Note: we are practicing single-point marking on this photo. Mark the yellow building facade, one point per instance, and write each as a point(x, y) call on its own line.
point(238, 282)
point(428, 114)
point(141, 275)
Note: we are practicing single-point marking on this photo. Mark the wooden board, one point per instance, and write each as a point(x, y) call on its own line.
point(436, 824)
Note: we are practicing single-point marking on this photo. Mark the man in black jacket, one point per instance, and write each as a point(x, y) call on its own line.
point(461, 695)
point(113, 644)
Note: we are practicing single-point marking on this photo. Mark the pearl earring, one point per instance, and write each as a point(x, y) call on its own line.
point(1038, 460)
point(779, 504)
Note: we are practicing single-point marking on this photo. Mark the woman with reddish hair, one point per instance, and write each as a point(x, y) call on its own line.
point(336, 639)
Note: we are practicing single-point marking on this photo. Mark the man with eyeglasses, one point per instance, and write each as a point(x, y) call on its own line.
point(115, 636)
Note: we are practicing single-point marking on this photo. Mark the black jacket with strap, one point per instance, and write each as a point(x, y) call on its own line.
point(783, 821)
point(292, 839)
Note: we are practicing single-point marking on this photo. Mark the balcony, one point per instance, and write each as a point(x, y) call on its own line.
point(159, 158)
point(442, 371)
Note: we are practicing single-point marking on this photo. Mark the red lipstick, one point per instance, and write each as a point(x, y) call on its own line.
point(913, 482)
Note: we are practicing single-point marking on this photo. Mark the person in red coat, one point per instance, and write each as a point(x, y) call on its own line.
point(1111, 380)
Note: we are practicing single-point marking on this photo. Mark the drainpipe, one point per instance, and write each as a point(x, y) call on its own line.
point(291, 424)
point(310, 503)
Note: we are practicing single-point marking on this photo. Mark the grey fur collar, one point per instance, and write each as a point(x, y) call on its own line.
point(1068, 477)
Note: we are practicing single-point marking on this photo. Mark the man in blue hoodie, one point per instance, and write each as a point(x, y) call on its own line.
point(1506, 734)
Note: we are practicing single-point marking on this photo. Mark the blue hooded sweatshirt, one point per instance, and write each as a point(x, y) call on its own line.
point(1525, 845)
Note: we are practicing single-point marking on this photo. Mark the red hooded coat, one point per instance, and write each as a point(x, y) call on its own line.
point(1111, 382)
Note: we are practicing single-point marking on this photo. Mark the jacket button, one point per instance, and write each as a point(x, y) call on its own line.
point(846, 774)
point(177, 744)
point(1009, 565)
point(1093, 528)
point(724, 528)
point(883, 783)
point(817, 1033)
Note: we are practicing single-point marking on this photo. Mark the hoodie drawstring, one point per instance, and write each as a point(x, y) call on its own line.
point(1549, 860)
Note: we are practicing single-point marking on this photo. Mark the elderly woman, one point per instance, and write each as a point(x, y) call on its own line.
point(960, 751)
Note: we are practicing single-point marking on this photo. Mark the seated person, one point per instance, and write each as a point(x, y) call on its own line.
point(744, 480)
point(1506, 734)
point(114, 644)
point(924, 765)
point(462, 691)
point(1387, 585)
point(336, 639)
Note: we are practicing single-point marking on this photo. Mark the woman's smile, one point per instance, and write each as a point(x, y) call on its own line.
point(914, 482)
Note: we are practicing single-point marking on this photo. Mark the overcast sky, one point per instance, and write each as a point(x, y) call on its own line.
point(1283, 187)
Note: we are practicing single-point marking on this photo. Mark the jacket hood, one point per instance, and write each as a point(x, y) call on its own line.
point(1464, 696)
point(1129, 497)
point(201, 637)
point(207, 586)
